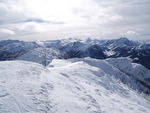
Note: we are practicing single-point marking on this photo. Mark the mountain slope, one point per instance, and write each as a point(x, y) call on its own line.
point(67, 86)
point(42, 55)
point(137, 71)
point(11, 49)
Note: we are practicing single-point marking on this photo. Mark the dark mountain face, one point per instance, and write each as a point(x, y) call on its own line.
point(141, 56)
point(11, 49)
point(99, 49)
point(94, 51)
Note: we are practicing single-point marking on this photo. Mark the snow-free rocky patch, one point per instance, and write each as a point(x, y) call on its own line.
point(72, 86)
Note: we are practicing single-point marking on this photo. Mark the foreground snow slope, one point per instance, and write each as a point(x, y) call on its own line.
point(67, 86)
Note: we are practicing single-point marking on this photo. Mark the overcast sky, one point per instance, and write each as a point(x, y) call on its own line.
point(55, 19)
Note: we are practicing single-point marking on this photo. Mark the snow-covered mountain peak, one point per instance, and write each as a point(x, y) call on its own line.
point(119, 43)
point(80, 48)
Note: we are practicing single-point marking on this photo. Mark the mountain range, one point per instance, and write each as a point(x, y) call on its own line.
point(138, 51)
point(75, 76)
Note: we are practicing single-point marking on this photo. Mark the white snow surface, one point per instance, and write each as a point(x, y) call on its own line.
point(134, 69)
point(109, 53)
point(67, 86)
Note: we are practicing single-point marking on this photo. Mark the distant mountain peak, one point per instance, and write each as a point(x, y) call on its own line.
point(123, 38)
point(79, 48)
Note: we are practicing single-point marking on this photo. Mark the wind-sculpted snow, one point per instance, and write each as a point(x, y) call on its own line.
point(68, 86)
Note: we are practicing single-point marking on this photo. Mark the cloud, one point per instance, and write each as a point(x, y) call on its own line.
point(39, 20)
point(130, 33)
point(67, 18)
point(22, 29)
point(30, 27)
point(6, 31)
point(11, 11)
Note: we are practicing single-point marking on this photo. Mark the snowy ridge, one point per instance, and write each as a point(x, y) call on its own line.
point(134, 69)
point(85, 85)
